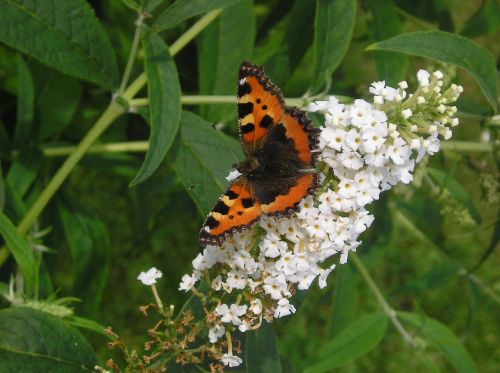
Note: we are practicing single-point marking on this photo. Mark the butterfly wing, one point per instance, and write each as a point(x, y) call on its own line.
point(260, 104)
point(284, 198)
point(286, 137)
point(235, 211)
point(304, 135)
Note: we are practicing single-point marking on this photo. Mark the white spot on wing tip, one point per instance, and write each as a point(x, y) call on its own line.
point(206, 229)
point(242, 81)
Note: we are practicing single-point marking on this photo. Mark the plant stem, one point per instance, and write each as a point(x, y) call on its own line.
point(143, 146)
point(389, 311)
point(221, 99)
point(193, 31)
point(180, 43)
point(158, 299)
point(201, 99)
point(110, 114)
point(133, 53)
point(115, 147)
point(467, 146)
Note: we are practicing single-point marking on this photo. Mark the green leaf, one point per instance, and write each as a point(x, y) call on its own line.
point(456, 190)
point(354, 341)
point(14, 205)
point(22, 253)
point(181, 10)
point(203, 157)
point(65, 35)
point(299, 21)
point(2, 189)
point(391, 66)
point(495, 239)
point(164, 94)
point(25, 104)
point(485, 21)
point(261, 353)
point(23, 171)
point(449, 48)
point(442, 339)
point(88, 243)
point(223, 45)
point(35, 341)
point(332, 34)
point(345, 299)
point(52, 89)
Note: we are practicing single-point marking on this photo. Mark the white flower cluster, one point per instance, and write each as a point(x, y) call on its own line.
point(366, 148)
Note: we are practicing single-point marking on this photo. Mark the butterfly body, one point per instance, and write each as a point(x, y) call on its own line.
point(278, 170)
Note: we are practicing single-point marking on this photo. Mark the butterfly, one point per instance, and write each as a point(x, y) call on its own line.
point(279, 143)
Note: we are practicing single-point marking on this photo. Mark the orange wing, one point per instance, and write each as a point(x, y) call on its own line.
point(260, 104)
point(304, 135)
point(235, 211)
point(285, 203)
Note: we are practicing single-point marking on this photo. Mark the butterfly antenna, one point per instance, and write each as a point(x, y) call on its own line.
point(214, 126)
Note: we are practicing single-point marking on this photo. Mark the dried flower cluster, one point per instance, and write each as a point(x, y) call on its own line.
point(366, 148)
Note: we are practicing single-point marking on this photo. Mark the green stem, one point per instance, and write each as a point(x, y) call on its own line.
point(467, 146)
point(201, 99)
point(116, 147)
point(133, 53)
point(389, 311)
point(110, 114)
point(104, 121)
point(221, 99)
point(143, 146)
point(180, 43)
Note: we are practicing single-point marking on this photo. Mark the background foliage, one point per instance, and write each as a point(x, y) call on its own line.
point(88, 225)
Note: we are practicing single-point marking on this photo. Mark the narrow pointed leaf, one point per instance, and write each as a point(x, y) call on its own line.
point(65, 35)
point(332, 34)
point(181, 10)
point(21, 251)
point(449, 48)
point(164, 94)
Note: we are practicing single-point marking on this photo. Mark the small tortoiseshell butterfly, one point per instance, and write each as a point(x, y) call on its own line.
point(278, 142)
